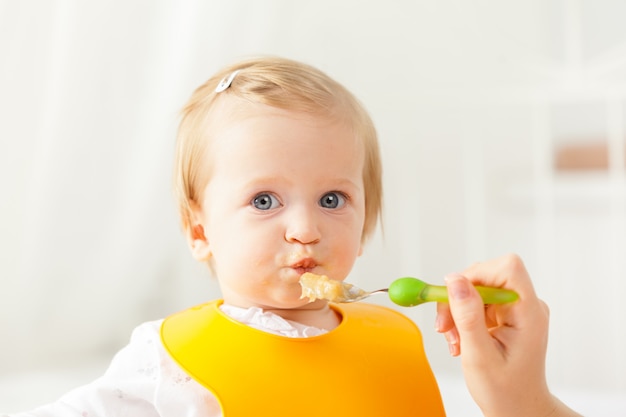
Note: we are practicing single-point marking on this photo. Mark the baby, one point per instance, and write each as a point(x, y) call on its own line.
point(278, 174)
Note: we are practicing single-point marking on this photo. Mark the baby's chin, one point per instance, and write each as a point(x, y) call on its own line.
point(296, 303)
point(313, 305)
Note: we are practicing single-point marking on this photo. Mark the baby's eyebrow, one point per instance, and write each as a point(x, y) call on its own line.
point(265, 181)
point(327, 183)
point(343, 182)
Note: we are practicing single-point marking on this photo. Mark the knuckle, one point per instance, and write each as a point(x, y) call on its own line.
point(513, 262)
point(545, 308)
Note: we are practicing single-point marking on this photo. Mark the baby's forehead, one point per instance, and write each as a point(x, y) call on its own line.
point(256, 127)
point(232, 110)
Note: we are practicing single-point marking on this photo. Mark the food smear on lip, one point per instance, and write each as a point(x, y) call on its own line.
point(321, 287)
point(297, 258)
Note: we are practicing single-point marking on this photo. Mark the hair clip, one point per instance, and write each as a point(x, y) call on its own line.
point(226, 82)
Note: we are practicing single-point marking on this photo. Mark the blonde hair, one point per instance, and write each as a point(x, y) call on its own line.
point(280, 83)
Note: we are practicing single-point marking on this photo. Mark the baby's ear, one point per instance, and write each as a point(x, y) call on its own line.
point(198, 243)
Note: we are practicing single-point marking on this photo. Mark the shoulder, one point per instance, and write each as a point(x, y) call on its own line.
point(146, 334)
point(148, 331)
point(143, 349)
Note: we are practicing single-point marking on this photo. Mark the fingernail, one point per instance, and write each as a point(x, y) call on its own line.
point(457, 286)
point(437, 324)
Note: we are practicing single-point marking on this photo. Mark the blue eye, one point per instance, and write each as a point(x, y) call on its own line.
point(332, 200)
point(265, 201)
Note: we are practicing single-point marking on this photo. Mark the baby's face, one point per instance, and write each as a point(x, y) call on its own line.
point(285, 197)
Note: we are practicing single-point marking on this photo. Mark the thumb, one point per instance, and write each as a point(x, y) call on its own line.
point(468, 313)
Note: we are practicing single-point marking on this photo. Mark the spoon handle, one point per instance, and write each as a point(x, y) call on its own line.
point(490, 295)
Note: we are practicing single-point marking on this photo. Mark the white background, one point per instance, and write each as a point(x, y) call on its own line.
point(471, 98)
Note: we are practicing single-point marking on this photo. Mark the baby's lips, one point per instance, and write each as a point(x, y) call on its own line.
point(301, 261)
point(306, 263)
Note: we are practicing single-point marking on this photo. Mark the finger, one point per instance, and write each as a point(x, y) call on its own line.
point(445, 324)
point(443, 321)
point(467, 310)
point(453, 339)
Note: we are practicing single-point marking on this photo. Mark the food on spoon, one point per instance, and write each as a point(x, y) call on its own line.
point(321, 287)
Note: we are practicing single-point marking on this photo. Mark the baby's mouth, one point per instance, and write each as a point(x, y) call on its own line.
point(304, 265)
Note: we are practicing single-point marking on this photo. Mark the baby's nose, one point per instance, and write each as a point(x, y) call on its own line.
point(302, 227)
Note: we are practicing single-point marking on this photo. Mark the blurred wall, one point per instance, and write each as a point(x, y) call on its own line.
point(471, 99)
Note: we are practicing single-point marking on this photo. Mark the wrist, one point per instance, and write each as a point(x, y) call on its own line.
point(542, 404)
point(561, 410)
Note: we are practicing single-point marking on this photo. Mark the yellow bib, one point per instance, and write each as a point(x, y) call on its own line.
point(372, 364)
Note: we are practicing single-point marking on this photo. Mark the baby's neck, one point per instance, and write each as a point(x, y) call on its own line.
point(322, 317)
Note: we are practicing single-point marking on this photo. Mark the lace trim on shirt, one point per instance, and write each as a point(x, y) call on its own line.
point(269, 322)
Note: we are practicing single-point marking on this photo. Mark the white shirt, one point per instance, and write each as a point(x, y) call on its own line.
point(144, 381)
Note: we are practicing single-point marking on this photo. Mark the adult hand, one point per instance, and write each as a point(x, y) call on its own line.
point(502, 347)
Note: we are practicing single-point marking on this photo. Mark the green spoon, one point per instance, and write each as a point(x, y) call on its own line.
point(410, 292)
